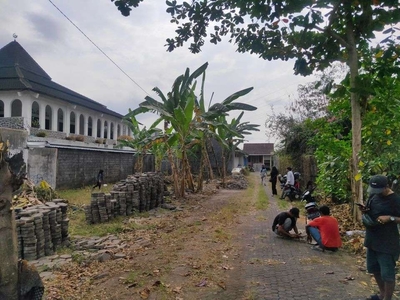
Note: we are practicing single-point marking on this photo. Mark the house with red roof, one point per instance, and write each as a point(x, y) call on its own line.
point(258, 154)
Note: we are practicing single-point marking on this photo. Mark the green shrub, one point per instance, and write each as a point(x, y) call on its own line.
point(41, 134)
point(79, 138)
point(44, 192)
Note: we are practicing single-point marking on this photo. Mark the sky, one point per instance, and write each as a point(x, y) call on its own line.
point(137, 45)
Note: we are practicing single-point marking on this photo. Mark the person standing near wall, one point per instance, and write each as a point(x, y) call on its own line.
point(274, 177)
point(99, 180)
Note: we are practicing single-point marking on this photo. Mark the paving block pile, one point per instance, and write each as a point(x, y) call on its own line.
point(41, 228)
point(139, 192)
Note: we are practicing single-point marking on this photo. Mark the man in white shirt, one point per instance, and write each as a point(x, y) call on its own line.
point(289, 176)
point(289, 183)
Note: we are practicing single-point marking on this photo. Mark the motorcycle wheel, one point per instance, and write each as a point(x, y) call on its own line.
point(291, 197)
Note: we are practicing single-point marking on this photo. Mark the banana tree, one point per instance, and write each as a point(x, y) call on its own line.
point(142, 139)
point(207, 117)
point(176, 109)
point(231, 135)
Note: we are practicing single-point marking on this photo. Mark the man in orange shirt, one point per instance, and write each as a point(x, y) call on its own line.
point(325, 231)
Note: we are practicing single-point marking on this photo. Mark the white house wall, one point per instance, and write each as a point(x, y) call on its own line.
point(28, 98)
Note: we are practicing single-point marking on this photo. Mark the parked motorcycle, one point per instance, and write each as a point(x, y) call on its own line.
point(291, 191)
point(311, 206)
point(282, 180)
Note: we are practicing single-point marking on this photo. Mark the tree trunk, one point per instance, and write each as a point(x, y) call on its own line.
point(223, 171)
point(188, 173)
point(210, 170)
point(174, 174)
point(356, 182)
point(8, 238)
point(201, 171)
point(216, 160)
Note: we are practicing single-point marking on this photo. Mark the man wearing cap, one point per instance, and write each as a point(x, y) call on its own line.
point(285, 222)
point(382, 240)
point(325, 231)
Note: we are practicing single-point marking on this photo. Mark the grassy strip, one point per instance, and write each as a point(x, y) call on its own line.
point(262, 200)
point(77, 199)
point(257, 192)
point(81, 197)
point(283, 204)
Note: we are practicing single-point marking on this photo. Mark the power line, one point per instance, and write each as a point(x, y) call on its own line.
point(99, 48)
point(277, 90)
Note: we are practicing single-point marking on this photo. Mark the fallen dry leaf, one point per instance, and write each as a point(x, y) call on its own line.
point(177, 289)
point(227, 268)
point(222, 285)
point(144, 294)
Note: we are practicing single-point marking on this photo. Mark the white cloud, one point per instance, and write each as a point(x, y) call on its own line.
point(136, 44)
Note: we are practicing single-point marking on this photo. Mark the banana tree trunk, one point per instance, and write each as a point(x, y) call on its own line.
point(207, 157)
point(188, 172)
point(216, 160)
point(202, 159)
point(175, 174)
point(223, 171)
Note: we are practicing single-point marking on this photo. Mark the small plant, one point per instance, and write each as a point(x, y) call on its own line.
point(132, 278)
point(35, 123)
point(79, 138)
point(69, 138)
point(78, 258)
point(99, 141)
point(44, 192)
point(41, 134)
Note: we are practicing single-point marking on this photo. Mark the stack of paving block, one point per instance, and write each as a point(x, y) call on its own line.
point(41, 229)
point(138, 192)
point(102, 208)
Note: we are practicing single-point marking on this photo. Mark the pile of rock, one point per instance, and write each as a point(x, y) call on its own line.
point(237, 182)
point(138, 192)
point(41, 228)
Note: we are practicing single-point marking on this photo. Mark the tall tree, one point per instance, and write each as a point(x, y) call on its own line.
point(313, 32)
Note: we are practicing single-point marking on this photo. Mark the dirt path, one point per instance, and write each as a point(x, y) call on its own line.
point(218, 247)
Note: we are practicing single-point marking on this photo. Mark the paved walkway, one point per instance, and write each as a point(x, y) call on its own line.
point(275, 268)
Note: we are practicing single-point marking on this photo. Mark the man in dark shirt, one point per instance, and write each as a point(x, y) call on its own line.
point(285, 222)
point(99, 180)
point(382, 240)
